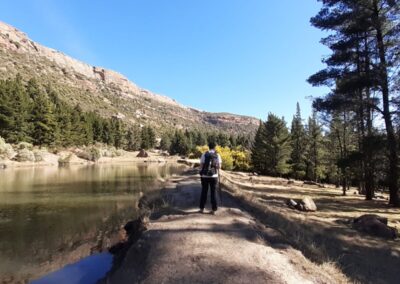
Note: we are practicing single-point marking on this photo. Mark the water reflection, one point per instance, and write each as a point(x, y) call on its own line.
point(46, 213)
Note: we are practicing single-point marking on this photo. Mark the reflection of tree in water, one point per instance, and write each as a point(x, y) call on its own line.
point(49, 212)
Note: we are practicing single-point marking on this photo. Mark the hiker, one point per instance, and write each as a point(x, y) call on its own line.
point(210, 163)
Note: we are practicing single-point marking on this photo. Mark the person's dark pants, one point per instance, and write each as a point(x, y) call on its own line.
point(205, 184)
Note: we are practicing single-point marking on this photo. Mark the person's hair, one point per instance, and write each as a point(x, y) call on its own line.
point(212, 145)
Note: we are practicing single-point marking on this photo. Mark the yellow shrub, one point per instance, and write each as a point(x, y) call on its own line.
point(237, 159)
point(226, 156)
point(199, 151)
point(241, 160)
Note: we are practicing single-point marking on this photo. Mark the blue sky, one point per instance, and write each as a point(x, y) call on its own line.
point(248, 57)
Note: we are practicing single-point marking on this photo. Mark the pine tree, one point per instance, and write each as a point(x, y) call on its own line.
point(200, 139)
point(165, 143)
point(22, 108)
point(6, 111)
point(278, 146)
point(117, 127)
point(314, 150)
point(133, 140)
point(223, 140)
point(364, 57)
point(245, 141)
point(179, 144)
point(15, 109)
point(297, 141)
point(98, 129)
point(108, 134)
point(232, 140)
point(190, 139)
point(63, 116)
point(148, 138)
point(258, 150)
point(271, 147)
point(43, 119)
point(77, 126)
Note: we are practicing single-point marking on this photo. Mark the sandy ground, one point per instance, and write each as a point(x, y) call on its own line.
point(183, 246)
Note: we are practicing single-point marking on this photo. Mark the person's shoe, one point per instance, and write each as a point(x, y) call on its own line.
point(201, 211)
point(213, 212)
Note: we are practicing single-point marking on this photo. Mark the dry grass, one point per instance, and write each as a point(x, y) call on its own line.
point(323, 236)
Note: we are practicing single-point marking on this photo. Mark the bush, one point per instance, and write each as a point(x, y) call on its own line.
point(226, 156)
point(94, 154)
point(199, 150)
point(24, 155)
point(6, 150)
point(90, 154)
point(241, 160)
point(237, 159)
point(25, 145)
point(112, 152)
point(39, 155)
point(65, 159)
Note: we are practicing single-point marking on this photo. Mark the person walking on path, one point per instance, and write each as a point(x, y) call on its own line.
point(210, 164)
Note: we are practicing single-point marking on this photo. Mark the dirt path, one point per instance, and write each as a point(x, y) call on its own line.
point(231, 247)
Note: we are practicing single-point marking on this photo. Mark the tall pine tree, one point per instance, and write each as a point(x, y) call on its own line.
point(43, 119)
point(297, 141)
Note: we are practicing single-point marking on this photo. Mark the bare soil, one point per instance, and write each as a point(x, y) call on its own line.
point(181, 245)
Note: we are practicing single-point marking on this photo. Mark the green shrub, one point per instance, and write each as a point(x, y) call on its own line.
point(24, 155)
point(6, 150)
point(39, 154)
point(110, 152)
point(65, 159)
point(24, 145)
point(89, 153)
point(120, 152)
point(94, 154)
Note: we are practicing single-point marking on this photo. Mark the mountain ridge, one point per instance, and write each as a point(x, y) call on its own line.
point(106, 91)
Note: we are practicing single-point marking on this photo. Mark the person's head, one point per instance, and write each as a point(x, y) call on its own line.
point(212, 145)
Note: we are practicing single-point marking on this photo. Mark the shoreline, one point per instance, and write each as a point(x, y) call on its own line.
point(53, 160)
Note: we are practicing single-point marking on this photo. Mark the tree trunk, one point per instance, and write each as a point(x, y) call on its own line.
point(391, 139)
point(344, 184)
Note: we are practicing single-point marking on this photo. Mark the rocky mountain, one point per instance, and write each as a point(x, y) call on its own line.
point(105, 91)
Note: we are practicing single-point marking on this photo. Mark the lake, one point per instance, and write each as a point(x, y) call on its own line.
point(51, 216)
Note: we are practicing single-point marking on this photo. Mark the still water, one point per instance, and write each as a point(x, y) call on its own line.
point(49, 216)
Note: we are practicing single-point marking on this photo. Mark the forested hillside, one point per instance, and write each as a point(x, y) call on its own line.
point(35, 113)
